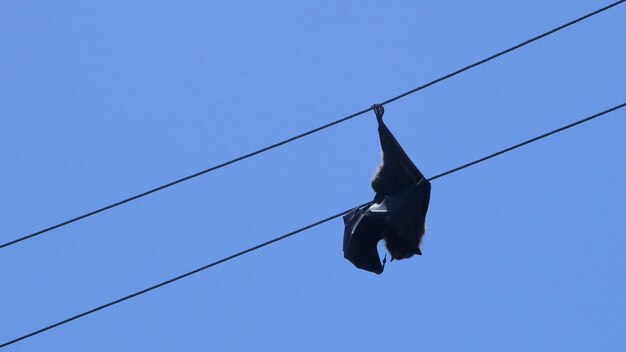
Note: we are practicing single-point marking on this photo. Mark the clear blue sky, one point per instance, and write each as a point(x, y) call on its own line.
point(103, 100)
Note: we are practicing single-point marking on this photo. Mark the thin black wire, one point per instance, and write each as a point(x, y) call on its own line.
point(526, 142)
point(173, 279)
point(299, 230)
point(186, 178)
point(504, 52)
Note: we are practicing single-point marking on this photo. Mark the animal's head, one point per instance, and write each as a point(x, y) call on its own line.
point(398, 248)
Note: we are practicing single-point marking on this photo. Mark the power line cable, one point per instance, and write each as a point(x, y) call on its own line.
point(275, 145)
point(547, 134)
point(167, 282)
point(174, 279)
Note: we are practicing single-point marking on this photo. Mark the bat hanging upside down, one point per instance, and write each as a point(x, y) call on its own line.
point(396, 214)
